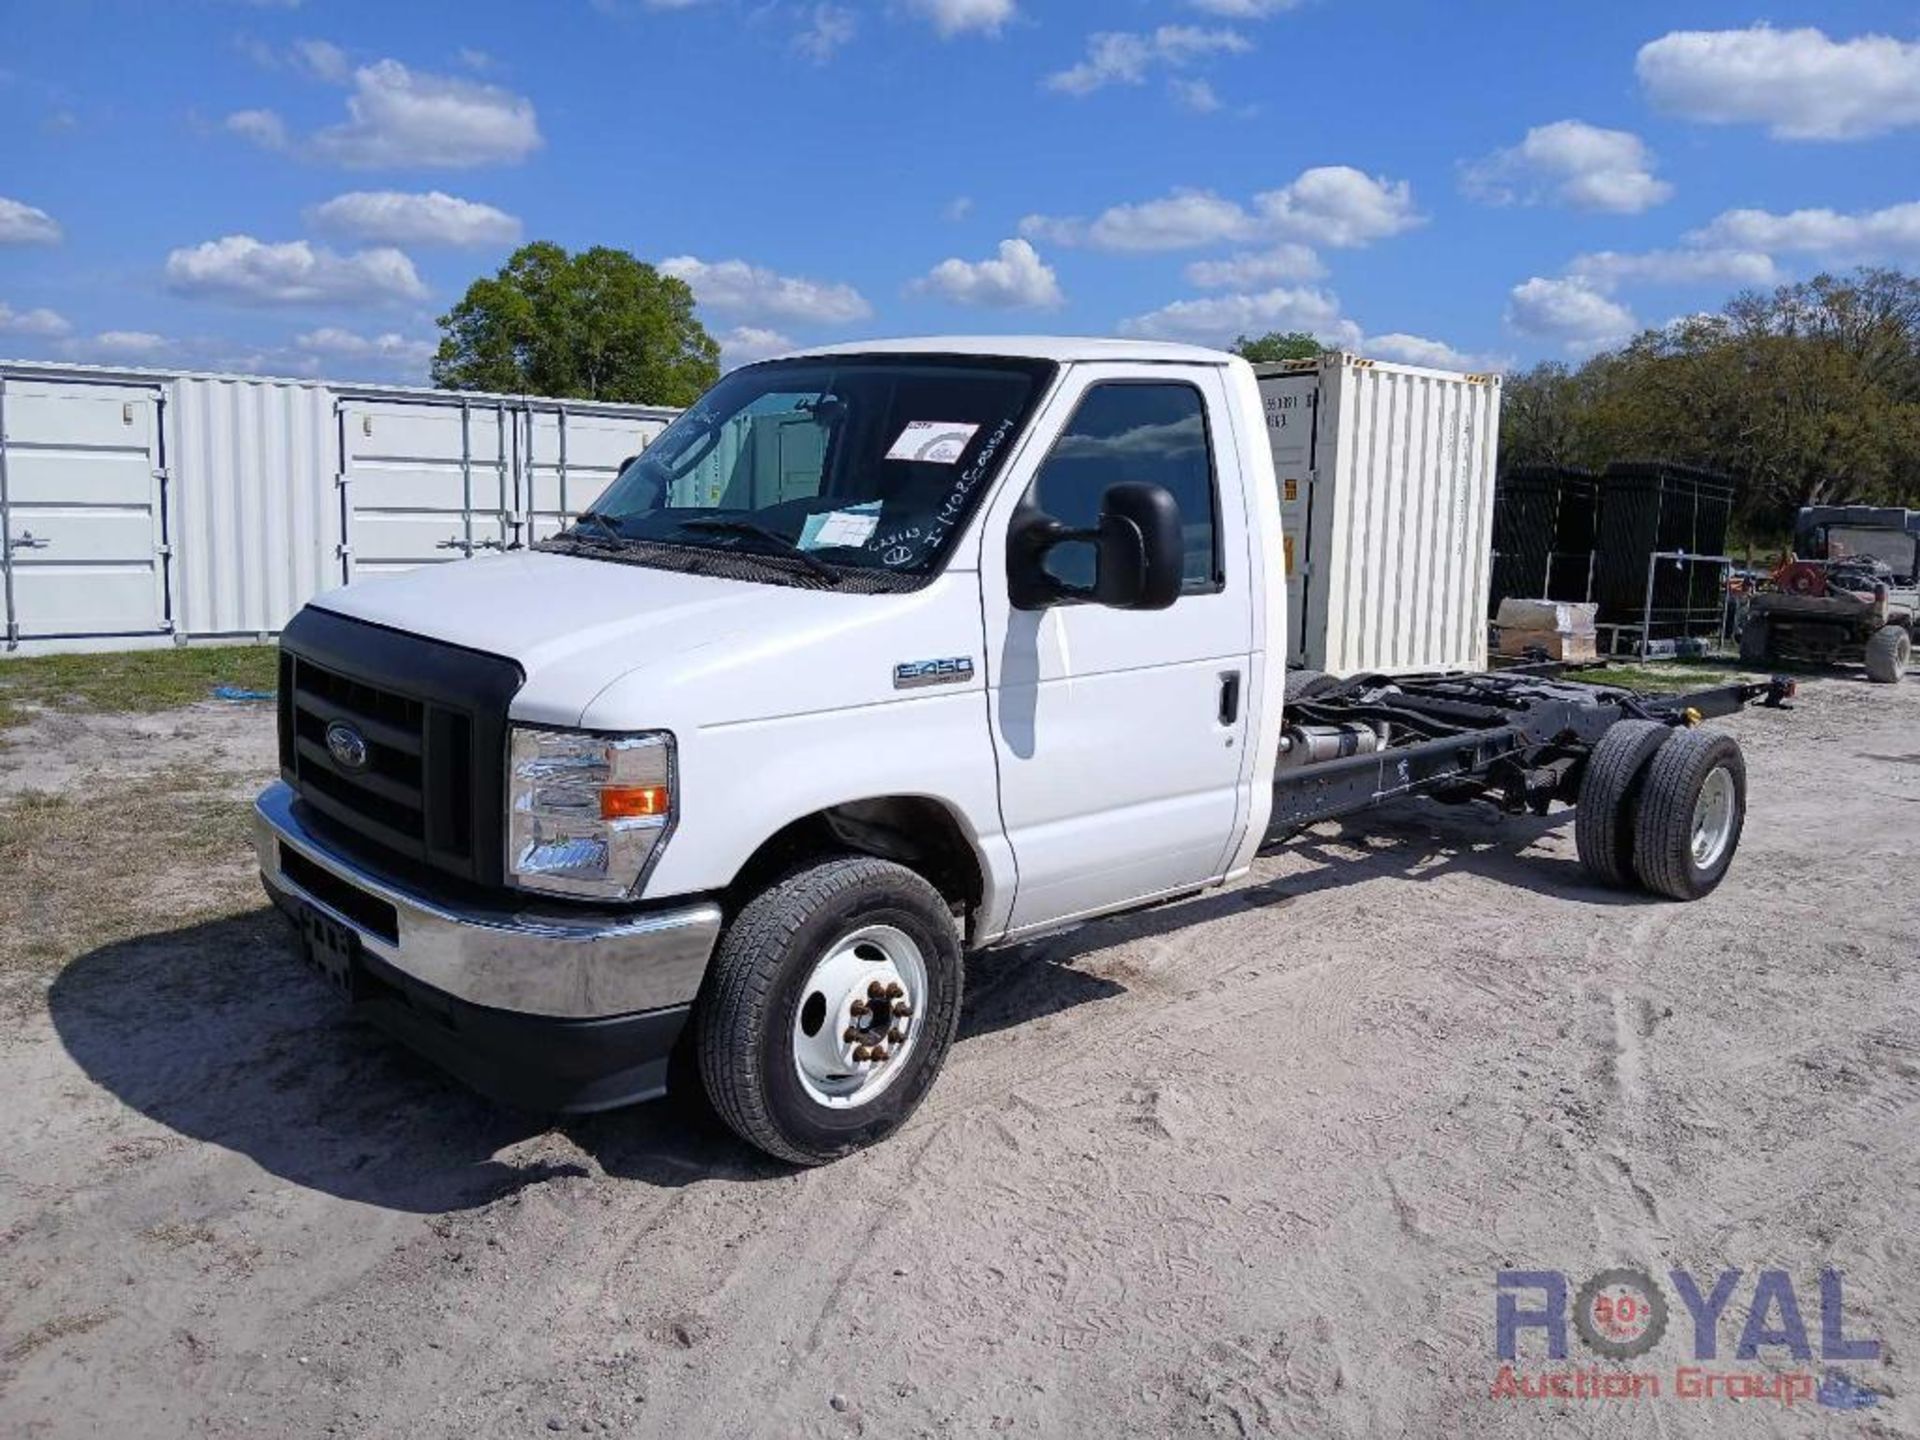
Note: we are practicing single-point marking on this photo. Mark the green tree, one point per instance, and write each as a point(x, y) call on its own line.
point(1277, 345)
point(1806, 394)
point(599, 325)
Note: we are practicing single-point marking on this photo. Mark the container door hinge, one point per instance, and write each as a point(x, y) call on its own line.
point(343, 552)
point(165, 552)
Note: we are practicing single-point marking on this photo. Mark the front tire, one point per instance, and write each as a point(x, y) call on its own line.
point(1692, 812)
point(1887, 654)
point(847, 957)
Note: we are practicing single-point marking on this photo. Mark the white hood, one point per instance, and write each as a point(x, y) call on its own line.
point(577, 625)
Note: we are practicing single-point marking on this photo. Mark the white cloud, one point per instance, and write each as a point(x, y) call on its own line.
point(1017, 279)
point(247, 271)
point(958, 17)
point(1288, 260)
point(745, 344)
point(1122, 57)
point(40, 324)
point(1570, 163)
point(1245, 9)
point(393, 217)
point(828, 27)
point(733, 287)
point(323, 60)
point(334, 342)
point(1218, 319)
point(1889, 234)
point(259, 127)
point(1799, 83)
point(400, 118)
point(122, 345)
point(1186, 219)
point(1434, 354)
point(1569, 311)
point(1333, 205)
point(1341, 207)
point(23, 224)
point(1608, 269)
point(1198, 96)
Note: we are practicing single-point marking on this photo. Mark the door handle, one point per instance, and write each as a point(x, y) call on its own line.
point(455, 544)
point(26, 540)
point(1230, 698)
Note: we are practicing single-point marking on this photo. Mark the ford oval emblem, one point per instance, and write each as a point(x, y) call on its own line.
point(347, 746)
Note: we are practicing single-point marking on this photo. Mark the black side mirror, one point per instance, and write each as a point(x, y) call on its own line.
point(1142, 551)
point(1139, 552)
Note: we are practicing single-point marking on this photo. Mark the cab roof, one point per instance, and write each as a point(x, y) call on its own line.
point(1057, 348)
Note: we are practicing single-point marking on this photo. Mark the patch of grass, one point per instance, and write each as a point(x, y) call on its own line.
point(80, 869)
point(1663, 677)
point(132, 679)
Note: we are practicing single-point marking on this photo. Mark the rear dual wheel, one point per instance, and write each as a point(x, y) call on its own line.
point(1662, 806)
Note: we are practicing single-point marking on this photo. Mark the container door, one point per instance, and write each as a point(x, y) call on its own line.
point(1291, 403)
point(426, 481)
point(568, 457)
point(82, 509)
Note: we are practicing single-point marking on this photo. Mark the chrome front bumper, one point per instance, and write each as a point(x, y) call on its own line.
point(531, 959)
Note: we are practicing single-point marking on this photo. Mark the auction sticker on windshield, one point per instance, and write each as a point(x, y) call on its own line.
point(841, 527)
point(933, 442)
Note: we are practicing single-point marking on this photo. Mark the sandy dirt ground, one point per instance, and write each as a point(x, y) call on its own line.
point(1244, 1166)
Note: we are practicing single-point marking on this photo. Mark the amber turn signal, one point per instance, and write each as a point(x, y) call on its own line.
point(633, 802)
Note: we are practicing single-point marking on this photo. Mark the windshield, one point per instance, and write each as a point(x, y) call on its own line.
point(1891, 548)
point(865, 464)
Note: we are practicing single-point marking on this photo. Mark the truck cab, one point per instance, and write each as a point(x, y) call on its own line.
point(876, 655)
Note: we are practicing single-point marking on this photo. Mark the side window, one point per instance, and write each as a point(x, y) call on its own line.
point(1129, 431)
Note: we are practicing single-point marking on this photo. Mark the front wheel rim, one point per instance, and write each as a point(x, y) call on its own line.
point(859, 1016)
point(1713, 814)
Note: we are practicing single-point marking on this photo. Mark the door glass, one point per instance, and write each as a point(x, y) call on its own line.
point(1124, 431)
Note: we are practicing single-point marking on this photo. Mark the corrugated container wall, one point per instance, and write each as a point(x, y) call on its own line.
point(1386, 500)
point(144, 508)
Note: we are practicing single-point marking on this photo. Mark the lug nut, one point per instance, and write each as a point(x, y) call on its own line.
point(876, 991)
point(879, 1053)
point(853, 1036)
point(862, 1054)
point(897, 1036)
point(859, 1007)
point(895, 990)
point(902, 1009)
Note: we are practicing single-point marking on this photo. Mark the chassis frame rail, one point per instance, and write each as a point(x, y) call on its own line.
point(1521, 738)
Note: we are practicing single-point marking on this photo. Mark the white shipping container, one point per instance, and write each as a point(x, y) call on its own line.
point(143, 507)
point(1386, 502)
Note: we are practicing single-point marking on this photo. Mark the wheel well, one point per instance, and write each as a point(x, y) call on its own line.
point(910, 830)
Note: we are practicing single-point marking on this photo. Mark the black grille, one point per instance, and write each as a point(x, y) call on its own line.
point(433, 717)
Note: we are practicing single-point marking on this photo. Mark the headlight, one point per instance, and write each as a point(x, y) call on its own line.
point(586, 813)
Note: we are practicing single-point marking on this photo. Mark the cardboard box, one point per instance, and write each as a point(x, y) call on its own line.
point(1564, 616)
point(1556, 644)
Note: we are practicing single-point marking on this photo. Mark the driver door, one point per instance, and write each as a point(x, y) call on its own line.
point(1121, 734)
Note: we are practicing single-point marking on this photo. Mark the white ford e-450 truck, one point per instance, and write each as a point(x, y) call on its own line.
point(876, 655)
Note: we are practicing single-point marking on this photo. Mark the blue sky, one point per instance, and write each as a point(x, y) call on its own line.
point(302, 186)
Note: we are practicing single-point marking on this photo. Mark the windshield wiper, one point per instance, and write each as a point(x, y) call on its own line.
point(740, 525)
point(608, 529)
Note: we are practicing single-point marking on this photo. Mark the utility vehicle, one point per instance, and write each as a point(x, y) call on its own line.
point(1848, 593)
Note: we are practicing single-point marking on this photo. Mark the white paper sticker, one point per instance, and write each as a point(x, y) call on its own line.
point(933, 442)
point(840, 527)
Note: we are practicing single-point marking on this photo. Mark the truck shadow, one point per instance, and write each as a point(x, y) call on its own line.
point(215, 1031)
